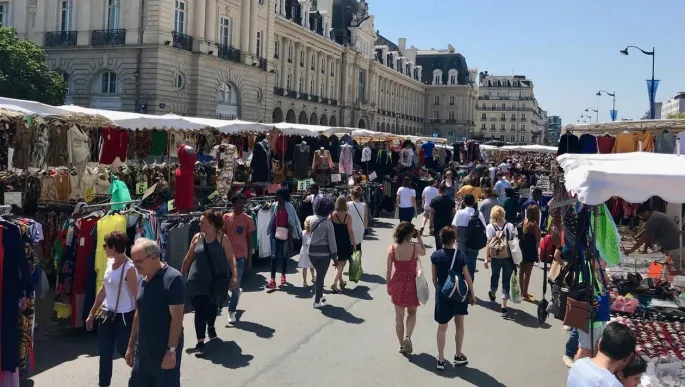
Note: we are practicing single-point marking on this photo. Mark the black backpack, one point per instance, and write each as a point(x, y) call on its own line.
point(475, 233)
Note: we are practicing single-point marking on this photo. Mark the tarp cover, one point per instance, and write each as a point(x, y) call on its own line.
point(634, 177)
point(530, 148)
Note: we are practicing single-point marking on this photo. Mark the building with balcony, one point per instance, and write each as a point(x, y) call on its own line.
point(507, 109)
point(553, 130)
point(302, 61)
point(673, 106)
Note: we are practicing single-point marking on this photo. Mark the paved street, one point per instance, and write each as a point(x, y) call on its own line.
point(282, 341)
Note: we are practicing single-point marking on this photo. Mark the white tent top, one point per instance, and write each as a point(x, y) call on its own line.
point(488, 147)
point(31, 107)
point(308, 130)
point(675, 125)
point(230, 126)
point(634, 177)
point(529, 148)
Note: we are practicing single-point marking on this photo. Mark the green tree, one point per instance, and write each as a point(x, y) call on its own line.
point(24, 74)
point(679, 115)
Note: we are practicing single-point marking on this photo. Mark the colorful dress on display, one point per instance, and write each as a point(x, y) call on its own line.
point(346, 155)
point(225, 155)
point(402, 286)
point(185, 178)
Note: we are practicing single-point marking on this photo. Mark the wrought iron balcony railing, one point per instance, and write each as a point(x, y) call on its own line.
point(60, 38)
point(108, 37)
point(182, 41)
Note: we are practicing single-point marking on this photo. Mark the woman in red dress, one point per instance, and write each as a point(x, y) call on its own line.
point(403, 255)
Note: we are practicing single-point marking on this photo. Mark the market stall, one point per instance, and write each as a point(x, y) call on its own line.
point(644, 291)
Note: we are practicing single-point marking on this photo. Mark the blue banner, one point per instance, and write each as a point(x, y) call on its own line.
point(651, 91)
point(613, 114)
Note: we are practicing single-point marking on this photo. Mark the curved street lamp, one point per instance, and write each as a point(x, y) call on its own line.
point(652, 89)
point(613, 95)
point(594, 110)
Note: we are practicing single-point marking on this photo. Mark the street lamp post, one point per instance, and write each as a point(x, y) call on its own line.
point(652, 88)
point(596, 112)
point(613, 106)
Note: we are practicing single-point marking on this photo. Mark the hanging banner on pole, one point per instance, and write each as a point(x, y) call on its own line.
point(651, 91)
point(613, 114)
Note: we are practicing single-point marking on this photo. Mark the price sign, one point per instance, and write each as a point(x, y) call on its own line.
point(214, 197)
point(88, 195)
point(303, 185)
point(149, 191)
point(373, 176)
point(272, 188)
point(335, 178)
point(170, 205)
point(141, 188)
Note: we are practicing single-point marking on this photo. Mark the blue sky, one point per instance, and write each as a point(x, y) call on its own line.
point(570, 49)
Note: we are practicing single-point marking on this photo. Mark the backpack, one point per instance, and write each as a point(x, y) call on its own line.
point(498, 247)
point(475, 233)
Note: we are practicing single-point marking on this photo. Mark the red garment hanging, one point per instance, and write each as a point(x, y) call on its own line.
point(84, 247)
point(114, 144)
point(185, 179)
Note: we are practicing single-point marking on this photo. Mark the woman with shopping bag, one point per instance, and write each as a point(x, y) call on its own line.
point(406, 283)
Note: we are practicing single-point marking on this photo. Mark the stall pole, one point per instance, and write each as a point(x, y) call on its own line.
point(591, 278)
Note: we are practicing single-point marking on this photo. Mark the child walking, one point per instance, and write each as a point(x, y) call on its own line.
point(304, 262)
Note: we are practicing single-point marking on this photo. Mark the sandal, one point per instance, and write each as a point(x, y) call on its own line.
point(335, 289)
point(343, 284)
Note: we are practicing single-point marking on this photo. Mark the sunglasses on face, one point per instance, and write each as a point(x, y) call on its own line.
point(140, 261)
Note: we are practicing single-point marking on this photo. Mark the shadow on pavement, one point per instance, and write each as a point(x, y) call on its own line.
point(55, 350)
point(258, 329)
point(372, 278)
point(474, 376)
point(339, 313)
point(524, 319)
point(227, 354)
point(380, 224)
point(360, 292)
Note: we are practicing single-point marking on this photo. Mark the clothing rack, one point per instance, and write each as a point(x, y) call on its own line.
point(110, 204)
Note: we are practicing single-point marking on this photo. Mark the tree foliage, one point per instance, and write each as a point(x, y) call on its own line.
point(24, 74)
point(679, 115)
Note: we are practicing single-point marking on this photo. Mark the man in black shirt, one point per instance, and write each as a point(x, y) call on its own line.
point(659, 228)
point(441, 214)
point(156, 343)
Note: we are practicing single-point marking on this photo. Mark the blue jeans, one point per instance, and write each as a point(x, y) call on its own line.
point(572, 343)
point(506, 266)
point(235, 294)
point(279, 254)
point(472, 256)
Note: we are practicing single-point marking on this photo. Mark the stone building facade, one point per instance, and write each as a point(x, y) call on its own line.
point(304, 61)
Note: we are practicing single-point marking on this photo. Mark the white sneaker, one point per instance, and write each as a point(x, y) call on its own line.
point(231, 318)
point(320, 304)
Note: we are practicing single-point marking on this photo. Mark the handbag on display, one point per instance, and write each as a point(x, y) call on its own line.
point(422, 290)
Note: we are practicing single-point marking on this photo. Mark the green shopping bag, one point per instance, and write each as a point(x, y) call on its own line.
point(356, 270)
point(515, 289)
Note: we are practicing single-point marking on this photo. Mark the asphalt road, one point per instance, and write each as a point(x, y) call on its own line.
point(282, 341)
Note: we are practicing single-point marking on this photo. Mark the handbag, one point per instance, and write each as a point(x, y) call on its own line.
point(422, 290)
point(104, 315)
point(602, 301)
point(515, 250)
point(455, 288)
point(281, 233)
point(577, 314)
point(515, 289)
point(220, 282)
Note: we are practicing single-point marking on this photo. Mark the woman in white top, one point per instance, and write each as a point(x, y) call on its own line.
point(428, 194)
point(497, 254)
point(360, 215)
point(406, 201)
point(117, 296)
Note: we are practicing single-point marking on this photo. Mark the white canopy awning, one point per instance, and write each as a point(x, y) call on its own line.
point(529, 148)
point(31, 107)
point(634, 177)
point(308, 130)
point(138, 121)
point(230, 126)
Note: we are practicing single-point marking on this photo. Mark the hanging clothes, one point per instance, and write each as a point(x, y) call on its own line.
point(587, 143)
point(605, 143)
point(568, 143)
point(664, 142)
point(114, 145)
point(679, 148)
point(226, 155)
point(263, 219)
point(185, 178)
point(119, 192)
point(646, 140)
point(346, 165)
point(301, 159)
point(261, 161)
point(333, 147)
point(625, 142)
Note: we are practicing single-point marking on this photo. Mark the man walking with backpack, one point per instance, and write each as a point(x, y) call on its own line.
point(471, 237)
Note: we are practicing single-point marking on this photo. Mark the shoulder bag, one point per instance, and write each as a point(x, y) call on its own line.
point(456, 288)
point(422, 290)
point(514, 247)
point(220, 283)
point(105, 315)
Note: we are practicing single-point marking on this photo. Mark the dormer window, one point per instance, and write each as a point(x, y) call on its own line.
point(437, 77)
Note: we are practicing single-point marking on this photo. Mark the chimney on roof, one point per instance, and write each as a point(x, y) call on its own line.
point(450, 49)
point(402, 43)
point(378, 32)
